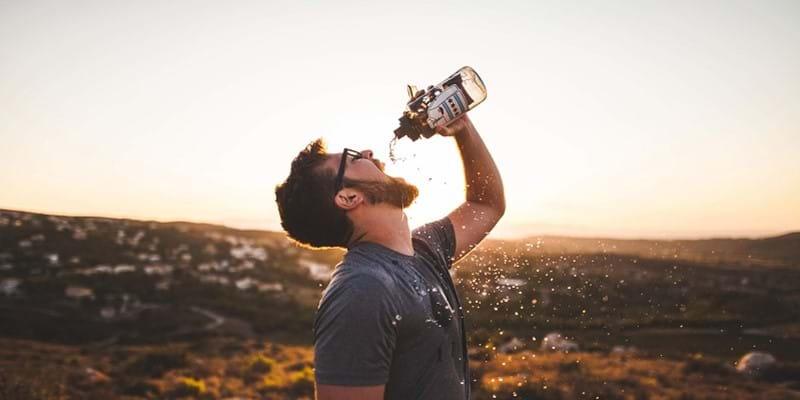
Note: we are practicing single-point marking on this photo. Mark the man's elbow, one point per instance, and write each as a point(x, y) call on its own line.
point(500, 206)
point(495, 211)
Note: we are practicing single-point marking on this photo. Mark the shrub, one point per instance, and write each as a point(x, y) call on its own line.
point(271, 382)
point(569, 367)
point(189, 387)
point(782, 372)
point(31, 385)
point(155, 363)
point(140, 388)
point(302, 382)
point(705, 367)
point(260, 364)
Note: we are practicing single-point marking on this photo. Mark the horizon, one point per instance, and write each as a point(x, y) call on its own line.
point(622, 119)
point(491, 236)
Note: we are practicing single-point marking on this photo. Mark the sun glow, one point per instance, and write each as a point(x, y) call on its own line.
point(686, 128)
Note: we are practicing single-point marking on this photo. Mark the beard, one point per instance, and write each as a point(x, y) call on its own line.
point(396, 191)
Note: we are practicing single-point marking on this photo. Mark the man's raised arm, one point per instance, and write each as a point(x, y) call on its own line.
point(485, 202)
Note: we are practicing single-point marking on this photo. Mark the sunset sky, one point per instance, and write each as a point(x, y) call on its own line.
point(614, 118)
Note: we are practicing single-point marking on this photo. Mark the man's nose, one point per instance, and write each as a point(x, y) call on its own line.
point(366, 154)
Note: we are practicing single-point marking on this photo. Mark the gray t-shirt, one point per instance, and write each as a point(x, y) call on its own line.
point(388, 318)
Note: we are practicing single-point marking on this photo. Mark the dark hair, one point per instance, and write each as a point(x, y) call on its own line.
point(305, 201)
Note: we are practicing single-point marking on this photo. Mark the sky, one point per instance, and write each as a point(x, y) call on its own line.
point(631, 119)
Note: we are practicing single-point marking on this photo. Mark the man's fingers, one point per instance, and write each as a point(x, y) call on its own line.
point(444, 130)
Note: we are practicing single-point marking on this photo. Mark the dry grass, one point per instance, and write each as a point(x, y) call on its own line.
point(555, 376)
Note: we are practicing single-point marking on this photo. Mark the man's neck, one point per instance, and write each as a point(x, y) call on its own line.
point(384, 225)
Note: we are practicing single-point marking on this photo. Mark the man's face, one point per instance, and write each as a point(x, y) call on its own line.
point(363, 169)
point(368, 177)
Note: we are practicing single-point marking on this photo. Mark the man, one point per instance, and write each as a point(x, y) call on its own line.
point(390, 324)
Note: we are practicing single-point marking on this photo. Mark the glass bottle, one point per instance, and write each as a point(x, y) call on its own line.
point(440, 104)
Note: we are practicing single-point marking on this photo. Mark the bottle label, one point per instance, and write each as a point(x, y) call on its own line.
point(446, 107)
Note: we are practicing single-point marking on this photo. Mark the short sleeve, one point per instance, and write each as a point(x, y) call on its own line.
point(440, 237)
point(355, 333)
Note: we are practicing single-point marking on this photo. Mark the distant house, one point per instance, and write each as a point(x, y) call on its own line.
point(318, 271)
point(108, 312)
point(10, 286)
point(122, 268)
point(624, 350)
point(268, 287)
point(52, 259)
point(513, 345)
point(248, 251)
point(158, 269)
point(103, 269)
point(245, 283)
point(556, 342)
point(514, 282)
point(163, 285)
point(79, 292)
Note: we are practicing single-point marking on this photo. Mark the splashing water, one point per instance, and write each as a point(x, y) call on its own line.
point(392, 150)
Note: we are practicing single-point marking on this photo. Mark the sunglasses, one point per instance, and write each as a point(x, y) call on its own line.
point(340, 175)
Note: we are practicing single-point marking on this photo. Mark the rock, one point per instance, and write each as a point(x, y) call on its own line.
point(755, 362)
point(512, 346)
point(10, 286)
point(88, 378)
point(624, 350)
point(556, 342)
point(95, 377)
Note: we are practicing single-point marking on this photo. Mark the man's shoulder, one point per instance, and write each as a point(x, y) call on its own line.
point(436, 241)
point(351, 286)
point(432, 230)
point(358, 273)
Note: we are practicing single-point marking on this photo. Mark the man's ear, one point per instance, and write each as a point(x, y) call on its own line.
point(348, 199)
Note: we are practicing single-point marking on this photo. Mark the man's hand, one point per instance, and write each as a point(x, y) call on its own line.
point(458, 125)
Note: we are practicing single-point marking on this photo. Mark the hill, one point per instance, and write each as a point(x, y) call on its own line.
point(777, 251)
point(114, 308)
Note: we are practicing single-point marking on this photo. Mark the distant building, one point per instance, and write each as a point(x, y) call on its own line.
point(158, 269)
point(514, 282)
point(556, 342)
point(318, 271)
point(163, 285)
point(10, 286)
point(122, 268)
point(108, 312)
point(52, 259)
point(513, 345)
point(268, 287)
point(245, 283)
point(248, 251)
point(79, 292)
point(624, 350)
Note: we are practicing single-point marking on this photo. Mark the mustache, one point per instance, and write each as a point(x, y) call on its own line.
point(381, 166)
